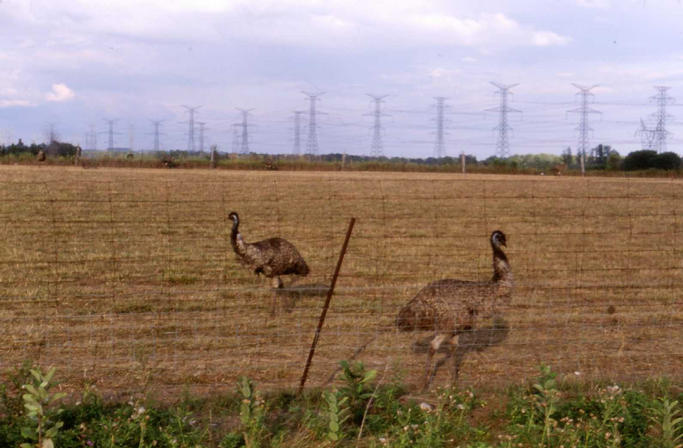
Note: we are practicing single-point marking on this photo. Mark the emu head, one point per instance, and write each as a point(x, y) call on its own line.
point(234, 218)
point(498, 239)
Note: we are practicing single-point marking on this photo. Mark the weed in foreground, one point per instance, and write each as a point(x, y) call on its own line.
point(668, 423)
point(41, 424)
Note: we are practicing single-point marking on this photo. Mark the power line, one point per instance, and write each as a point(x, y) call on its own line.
point(503, 143)
point(312, 142)
point(376, 147)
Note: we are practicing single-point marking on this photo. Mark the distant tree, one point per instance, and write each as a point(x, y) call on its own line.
point(470, 159)
point(614, 161)
point(667, 161)
point(567, 157)
point(598, 157)
point(599, 154)
point(640, 160)
point(495, 161)
point(60, 149)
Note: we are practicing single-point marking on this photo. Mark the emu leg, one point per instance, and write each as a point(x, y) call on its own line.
point(277, 284)
point(458, 353)
point(453, 352)
point(433, 347)
point(438, 365)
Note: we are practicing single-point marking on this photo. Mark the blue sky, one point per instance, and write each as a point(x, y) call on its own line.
point(73, 64)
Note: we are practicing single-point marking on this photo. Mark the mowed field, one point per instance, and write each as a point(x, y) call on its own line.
point(125, 277)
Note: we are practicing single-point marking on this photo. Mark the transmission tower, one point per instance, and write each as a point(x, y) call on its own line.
point(131, 136)
point(52, 133)
point(110, 134)
point(376, 147)
point(312, 142)
point(297, 132)
point(190, 132)
point(660, 132)
point(647, 136)
point(235, 137)
point(584, 110)
point(439, 145)
point(503, 143)
point(157, 125)
point(91, 138)
point(244, 140)
point(202, 129)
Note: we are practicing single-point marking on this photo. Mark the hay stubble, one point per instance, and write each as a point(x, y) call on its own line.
point(125, 276)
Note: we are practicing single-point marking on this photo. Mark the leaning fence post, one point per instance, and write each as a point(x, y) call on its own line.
point(326, 305)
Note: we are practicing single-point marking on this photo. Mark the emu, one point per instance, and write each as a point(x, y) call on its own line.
point(272, 257)
point(451, 308)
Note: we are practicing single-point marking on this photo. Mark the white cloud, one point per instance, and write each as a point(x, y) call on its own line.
point(14, 103)
point(602, 4)
point(547, 38)
point(305, 23)
point(60, 92)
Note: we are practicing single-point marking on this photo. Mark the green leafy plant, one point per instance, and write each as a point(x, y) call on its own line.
point(42, 426)
point(669, 423)
point(358, 388)
point(545, 400)
point(336, 413)
point(181, 430)
point(252, 413)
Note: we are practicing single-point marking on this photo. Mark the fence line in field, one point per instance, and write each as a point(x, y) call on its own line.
point(139, 274)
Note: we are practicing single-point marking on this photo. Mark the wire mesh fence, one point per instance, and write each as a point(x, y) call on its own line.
point(126, 278)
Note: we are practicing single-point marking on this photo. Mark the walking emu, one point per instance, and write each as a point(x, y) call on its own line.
point(452, 307)
point(271, 257)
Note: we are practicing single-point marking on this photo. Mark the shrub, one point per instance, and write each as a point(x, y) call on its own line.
point(647, 159)
point(667, 161)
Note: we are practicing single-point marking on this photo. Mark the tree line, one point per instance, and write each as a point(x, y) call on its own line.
point(601, 157)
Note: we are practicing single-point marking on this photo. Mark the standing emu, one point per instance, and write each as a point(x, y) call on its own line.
point(452, 307)
point(271, 257)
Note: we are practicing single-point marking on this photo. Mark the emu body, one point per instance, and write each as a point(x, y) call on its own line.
point(451, 307)
point(272, 257)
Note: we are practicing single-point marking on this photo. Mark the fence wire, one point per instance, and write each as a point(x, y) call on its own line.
point(126, 278)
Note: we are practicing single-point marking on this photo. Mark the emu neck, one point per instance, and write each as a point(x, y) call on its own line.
point(501, 266)
point(236, 240)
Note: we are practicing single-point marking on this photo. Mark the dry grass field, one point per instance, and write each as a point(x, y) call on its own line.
point(125, 277)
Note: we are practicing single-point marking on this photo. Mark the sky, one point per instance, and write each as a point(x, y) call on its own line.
point(71, 65)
